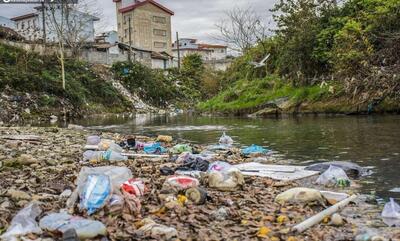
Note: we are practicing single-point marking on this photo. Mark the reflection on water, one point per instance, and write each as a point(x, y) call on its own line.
point(366, 140)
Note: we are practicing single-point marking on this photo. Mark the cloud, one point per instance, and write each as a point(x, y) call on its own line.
point(193, 18)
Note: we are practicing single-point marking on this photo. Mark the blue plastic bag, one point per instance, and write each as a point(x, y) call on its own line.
point(156, 148)
point(95, 193)
point(254, 149)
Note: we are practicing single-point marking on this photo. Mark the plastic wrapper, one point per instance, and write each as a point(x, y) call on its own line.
point(61, 222)
point(334, 176)
point(181, 148)
point(23, 223)
point(134, 187)
point(95, 193)
point(179, 183)
point(391, 210)
point(225, 140)
point(224, 177)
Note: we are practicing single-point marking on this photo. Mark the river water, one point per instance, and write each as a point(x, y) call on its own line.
point(372, 141)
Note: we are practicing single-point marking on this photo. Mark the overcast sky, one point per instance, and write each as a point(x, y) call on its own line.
point(193, 18)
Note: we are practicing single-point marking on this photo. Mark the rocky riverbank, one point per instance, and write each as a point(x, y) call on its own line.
point(43, 167)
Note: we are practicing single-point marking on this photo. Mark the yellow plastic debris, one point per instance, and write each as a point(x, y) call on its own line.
point(263, 232)
point(182, 199)
point(166, 139)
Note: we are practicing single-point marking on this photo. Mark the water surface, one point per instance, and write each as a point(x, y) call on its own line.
point(367, 140)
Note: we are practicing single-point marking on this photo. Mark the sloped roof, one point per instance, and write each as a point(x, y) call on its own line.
point(213, 46)
point(29, 15)
point(138, 4)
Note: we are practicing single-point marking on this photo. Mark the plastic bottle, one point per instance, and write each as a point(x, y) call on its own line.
point(99, 156)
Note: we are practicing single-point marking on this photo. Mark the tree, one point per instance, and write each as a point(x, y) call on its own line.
point(241, 29)
point(69, 21)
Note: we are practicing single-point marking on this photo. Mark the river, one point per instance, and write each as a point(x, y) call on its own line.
point(372, 141)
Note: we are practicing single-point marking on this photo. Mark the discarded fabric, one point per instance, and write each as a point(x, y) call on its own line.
point(23, 223)
point(155, 148)
point(96, 192)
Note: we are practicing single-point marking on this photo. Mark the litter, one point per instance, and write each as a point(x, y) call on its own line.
point(225, 139)
point(391, 210)
point(180, 183)
point(61, 222)
point(224, 177)
point(96, 193)
point(334, 197)
point(276, 172)
point(300, 195)
point(180, 148)
point(334, 176)
point(134, 187)
point(23, 223)
point(254, 149)
point(197, 164)
point(156, 231)
point(93, 140)
point(98, 156)
point(197, 195)
point(166, 139)
point(155, 148)
point(351, 169)
point(320, 216)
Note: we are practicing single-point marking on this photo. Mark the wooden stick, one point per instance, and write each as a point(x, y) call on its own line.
point(299, 228)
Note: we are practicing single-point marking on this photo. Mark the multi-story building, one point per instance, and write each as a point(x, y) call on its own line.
point(30, 26)
point(144, 24)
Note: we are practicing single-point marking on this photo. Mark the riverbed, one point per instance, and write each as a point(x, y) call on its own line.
point(372, 141)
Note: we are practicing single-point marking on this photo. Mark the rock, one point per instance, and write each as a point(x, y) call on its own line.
point(221, 214)
point(66, 193)
point(337, 220)
point(25, 159)
point(18, 195)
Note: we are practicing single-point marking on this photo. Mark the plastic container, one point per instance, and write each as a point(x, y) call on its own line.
point(113, 156)
point(95, 193)
point(85, 228)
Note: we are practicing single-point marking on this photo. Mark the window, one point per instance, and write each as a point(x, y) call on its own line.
point(159, 32)
point(160, 44)
point(158, 19)
point(23, 25)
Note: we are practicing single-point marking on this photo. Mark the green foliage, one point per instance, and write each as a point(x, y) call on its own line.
point(28, 72)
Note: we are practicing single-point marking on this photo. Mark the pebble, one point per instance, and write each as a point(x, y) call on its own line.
point(18, 195)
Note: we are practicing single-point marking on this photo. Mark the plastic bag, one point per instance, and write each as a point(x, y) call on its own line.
point(134, 187)
point(225, 140)
point(24, 223)
point(224, 177)
point(334, 176)
point(96, 192)
point(254, 149)
point(93, 140)
point(180, 183)
point(181, 148)
point(156, 231)
point(155, 148)
point(391, 210)
point(300, 195)
point(220, 166)
point(118, 175)
point(85, 228)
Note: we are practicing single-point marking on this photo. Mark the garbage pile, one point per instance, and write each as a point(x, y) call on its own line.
point(136, 187)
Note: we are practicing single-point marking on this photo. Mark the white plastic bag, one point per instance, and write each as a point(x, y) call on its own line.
point(95, 193)
point(23, 223)
point(333, 176)
point(225, 139)
point(391, 210)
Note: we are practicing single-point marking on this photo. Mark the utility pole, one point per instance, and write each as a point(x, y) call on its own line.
point(130, 40)
point(178, 48)
point(44, 23)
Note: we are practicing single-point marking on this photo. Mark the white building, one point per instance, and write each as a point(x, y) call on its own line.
point(8, 23)
point(213, 55)
point(30, 25)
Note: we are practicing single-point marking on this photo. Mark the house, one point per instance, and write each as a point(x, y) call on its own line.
point(5, 22)
point(144, 24)
point(30, 25)
point(110, 37)
point(213, 55)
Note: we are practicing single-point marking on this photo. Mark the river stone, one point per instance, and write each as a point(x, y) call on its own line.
point(18, 195)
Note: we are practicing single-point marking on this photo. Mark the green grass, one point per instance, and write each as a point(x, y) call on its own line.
point(251, 94)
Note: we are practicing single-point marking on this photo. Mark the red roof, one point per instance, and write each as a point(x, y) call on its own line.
point(30, 15)
point(138, 4)
point(212, 46)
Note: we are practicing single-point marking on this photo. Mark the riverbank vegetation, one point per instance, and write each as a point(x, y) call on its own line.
point(321, 51)
point(29, 77)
